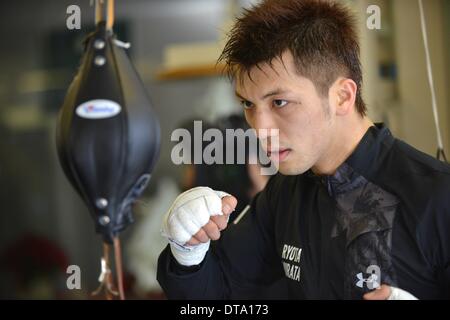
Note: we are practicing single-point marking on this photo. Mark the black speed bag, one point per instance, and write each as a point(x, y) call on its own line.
point(107, 135)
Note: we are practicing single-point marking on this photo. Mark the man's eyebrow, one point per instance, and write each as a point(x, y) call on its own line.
point(273, 93)
point(239, 96)
point(265, 96)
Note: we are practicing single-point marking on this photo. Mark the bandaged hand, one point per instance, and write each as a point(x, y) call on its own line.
point(386, 292)
point(196, 217)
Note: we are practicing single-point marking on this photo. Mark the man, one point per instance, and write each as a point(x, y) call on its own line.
point(352, 209)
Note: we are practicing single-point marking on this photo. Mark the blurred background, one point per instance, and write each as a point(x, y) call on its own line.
point(44, 226)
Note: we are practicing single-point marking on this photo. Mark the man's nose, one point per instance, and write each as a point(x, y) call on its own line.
point(265, 125)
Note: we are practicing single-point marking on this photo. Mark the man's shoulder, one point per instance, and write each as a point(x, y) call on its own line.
point(418, 162)
point(421, 178)
point(426, 184)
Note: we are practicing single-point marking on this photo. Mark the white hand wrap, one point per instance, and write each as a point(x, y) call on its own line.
point(190, 211)
point(399, 294)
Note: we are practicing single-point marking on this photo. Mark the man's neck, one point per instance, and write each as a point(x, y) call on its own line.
point(342, 146)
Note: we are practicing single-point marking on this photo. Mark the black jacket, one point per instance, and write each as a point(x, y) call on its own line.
point(384, 217)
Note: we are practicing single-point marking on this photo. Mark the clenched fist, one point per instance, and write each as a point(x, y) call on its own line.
point(196, 217)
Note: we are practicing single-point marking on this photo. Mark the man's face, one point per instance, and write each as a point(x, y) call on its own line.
point(276, 97)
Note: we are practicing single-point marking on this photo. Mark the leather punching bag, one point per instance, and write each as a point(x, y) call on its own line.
point(108, 136)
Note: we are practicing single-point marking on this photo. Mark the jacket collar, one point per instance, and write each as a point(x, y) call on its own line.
point(371, 150)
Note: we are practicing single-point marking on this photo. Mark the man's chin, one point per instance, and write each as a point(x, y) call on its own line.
point(291, 170)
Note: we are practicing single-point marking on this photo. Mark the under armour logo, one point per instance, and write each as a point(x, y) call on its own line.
point(372, 281)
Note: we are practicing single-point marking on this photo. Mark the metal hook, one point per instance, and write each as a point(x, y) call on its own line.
point(105, 278)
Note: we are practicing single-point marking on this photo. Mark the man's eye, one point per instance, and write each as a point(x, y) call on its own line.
point(279, 103)
point(246, 104)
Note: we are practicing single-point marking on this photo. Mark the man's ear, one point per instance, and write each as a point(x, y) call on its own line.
point(343, 95)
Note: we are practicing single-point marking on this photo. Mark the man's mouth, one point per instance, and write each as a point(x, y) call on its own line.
point(278, 155)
